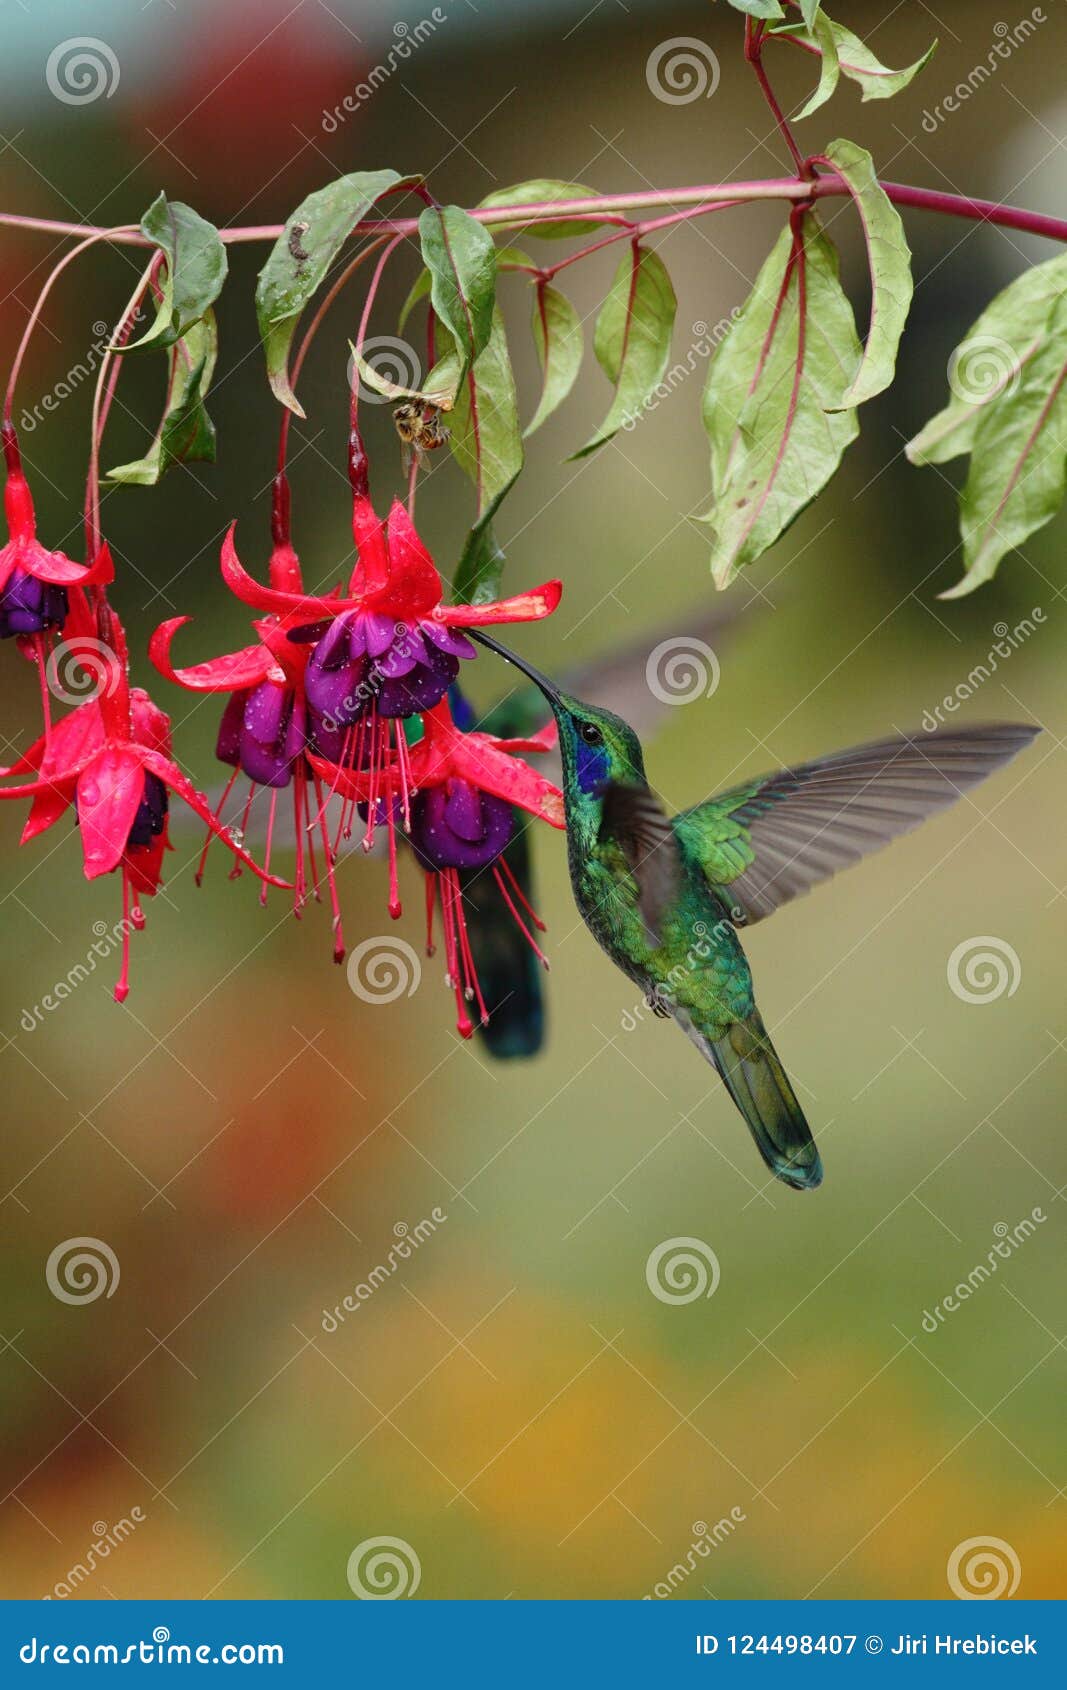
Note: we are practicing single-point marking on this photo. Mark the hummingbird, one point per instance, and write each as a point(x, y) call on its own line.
point(512, 979)
point(665, 895)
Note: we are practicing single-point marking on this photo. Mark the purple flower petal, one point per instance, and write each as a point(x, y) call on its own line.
point(424, 687)
point(380, 632)
point(463, 810)
point(448, 639)
point(228, 744)
point(267, 710)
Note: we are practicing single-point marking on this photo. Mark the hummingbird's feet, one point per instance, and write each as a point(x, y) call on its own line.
point(659, 1002)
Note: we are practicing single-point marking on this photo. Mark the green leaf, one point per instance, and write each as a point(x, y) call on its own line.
point(889, 260)
point(774, 422)
point(633, 338)
point(988, 360)
point(544, 190)
point(461, 258)
point(809, 11)
point(1018, 470)
point(195, 270)
point(859, 64)
point(557, 330)
point(300, 258)
point(419, 289)
point(441, 398)
point(822, 34)
point(758, 8)
point(507, 258)
point(186, 433)
point(487, 444)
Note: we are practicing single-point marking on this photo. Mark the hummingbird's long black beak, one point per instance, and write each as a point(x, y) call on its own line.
point(549, 688)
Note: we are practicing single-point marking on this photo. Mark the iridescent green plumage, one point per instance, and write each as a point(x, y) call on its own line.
point(664, 898)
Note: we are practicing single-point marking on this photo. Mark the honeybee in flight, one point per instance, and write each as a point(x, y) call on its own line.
point(420, 428)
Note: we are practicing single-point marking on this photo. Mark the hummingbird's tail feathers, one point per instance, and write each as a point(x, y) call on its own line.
point(510, 975)
point(760, 1087)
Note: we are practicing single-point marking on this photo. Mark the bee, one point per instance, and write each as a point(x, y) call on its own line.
point(420, 428)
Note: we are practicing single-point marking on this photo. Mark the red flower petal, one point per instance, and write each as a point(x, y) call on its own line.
point(109, 790)
point(59, 571)
point(414, 587)
point(250, 591)
point(525, 607)
point(368, 531)
point(230, 673)
point(49, 803)
point(478, 758)
point(29, 762)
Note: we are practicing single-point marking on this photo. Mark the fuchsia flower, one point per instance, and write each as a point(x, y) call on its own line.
point(332, 677)
point(111, 758)
point(266, 727)
point(34, 582)
point(390, 648)
point(460, 818)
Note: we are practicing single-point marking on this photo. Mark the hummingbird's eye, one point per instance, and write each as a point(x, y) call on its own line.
point(591, 733)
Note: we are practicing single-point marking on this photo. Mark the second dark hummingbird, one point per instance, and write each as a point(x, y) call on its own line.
point(664, 896)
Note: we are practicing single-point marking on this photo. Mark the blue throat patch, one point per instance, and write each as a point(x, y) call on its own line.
point(591, 766)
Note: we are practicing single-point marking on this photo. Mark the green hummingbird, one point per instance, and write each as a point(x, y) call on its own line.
point(664, 896)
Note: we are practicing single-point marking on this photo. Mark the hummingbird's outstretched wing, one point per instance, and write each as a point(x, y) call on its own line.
point(775, 838)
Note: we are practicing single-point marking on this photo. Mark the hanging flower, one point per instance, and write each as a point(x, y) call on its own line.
point(390, 648)
point(111, 758)
point(34, 582)
point(266, 729)
point(461, 817)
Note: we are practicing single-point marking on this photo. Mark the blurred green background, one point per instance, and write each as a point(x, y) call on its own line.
point(247, 1135)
